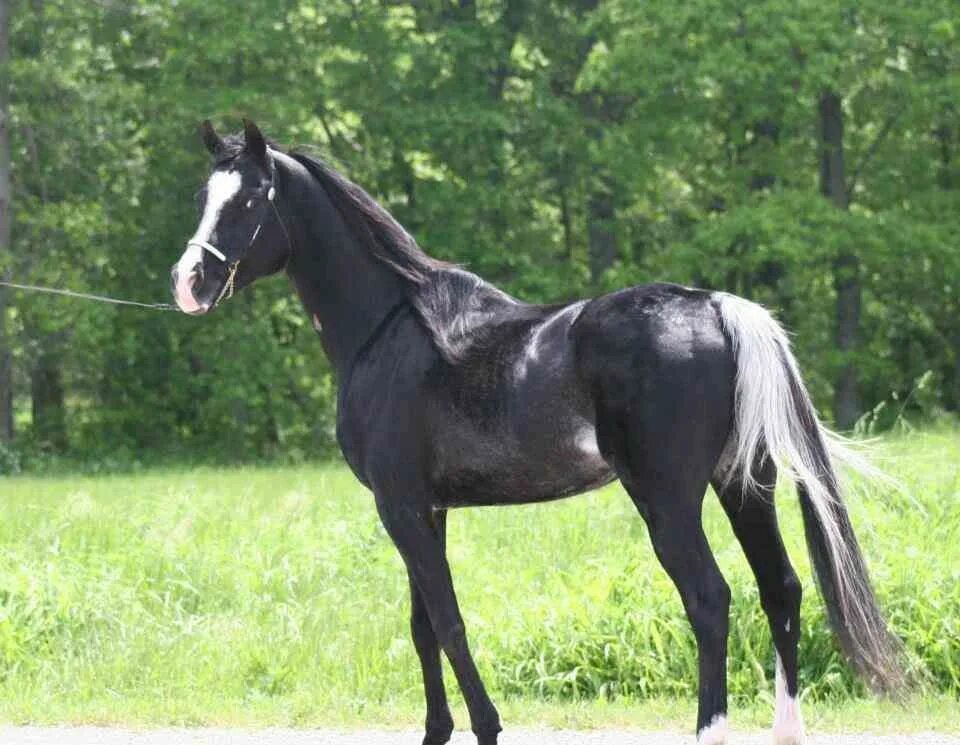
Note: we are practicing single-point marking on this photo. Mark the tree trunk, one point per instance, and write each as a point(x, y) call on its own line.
point(946, 179)
point(846, 267)
point(46, 390)
point(6, 352)
point(566, 220)
point(600, 231)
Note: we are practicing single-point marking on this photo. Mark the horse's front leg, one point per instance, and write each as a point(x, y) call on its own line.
point(412, 526)
point(439, 724)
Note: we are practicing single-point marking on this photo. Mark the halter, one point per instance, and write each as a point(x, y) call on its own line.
point(227, 291)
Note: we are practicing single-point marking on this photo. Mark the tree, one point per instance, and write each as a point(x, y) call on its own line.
point(6, 348)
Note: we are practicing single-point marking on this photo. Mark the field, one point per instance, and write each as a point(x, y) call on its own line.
point(273, 596)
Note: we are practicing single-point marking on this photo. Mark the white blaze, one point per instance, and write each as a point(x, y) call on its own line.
point(221, 188)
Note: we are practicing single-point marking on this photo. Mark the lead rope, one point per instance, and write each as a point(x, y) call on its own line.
point(87, 296)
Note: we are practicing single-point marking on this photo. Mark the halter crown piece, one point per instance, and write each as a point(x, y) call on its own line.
point(227, 291)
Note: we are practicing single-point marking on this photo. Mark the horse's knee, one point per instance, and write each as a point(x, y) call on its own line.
point(453, 639)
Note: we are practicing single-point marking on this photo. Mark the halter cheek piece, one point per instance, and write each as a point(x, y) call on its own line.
point(227, 291)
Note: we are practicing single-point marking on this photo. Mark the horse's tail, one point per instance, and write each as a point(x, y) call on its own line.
point(774, 417)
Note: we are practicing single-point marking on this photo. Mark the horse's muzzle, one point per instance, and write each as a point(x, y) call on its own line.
point(184, 285)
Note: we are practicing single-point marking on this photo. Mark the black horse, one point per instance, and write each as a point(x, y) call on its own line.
point(452, 393)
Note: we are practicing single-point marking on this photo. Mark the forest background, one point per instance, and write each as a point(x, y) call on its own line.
point(804, 154)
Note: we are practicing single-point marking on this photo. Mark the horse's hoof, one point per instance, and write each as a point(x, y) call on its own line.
point(486, 740)
point(438, 732)
point(438, 735)
point(434, 738)
point(787, 737)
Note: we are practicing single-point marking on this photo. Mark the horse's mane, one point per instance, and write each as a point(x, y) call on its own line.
point(380, 233)
point(454, 305)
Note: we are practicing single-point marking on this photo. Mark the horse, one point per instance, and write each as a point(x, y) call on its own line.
point(451, 393)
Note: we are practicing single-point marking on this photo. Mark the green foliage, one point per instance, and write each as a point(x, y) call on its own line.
point(560, 149)
point(9, 460)
point(198, 593)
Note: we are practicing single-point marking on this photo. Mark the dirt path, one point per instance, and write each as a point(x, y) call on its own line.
point(111, 736)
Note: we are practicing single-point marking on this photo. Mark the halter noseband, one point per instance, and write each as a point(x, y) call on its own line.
point(227, 291)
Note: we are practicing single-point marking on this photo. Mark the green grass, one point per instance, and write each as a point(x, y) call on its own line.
point(273, 596)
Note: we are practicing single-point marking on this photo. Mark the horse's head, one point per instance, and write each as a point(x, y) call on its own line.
point(240, 236)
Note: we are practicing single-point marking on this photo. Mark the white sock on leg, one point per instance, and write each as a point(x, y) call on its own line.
point(787, 721)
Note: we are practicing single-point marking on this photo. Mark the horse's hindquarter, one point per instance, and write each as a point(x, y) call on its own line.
point(659, 365)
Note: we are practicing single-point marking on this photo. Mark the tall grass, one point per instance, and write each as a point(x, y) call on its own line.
point(175, 594)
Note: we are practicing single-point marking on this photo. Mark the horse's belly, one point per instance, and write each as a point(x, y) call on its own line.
point(505, 470)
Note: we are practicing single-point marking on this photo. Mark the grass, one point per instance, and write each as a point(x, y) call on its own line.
point(272, 596)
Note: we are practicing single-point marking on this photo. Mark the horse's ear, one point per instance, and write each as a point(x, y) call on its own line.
point(255, 144)
point(210, 138)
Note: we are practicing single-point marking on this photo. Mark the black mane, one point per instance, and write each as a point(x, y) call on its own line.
point(381, 234)
point(453, 304)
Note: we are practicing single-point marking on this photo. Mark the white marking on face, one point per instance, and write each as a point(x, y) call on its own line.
point(715, 733)
point(221, 188)
point(787, 720)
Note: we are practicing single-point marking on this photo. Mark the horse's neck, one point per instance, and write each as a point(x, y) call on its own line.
point(346, 291)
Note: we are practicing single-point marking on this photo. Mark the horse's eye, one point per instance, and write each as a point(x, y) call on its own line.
point(249, 204)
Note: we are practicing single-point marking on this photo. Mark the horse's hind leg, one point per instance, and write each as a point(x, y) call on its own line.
point(754, 519)
point(666, 476)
